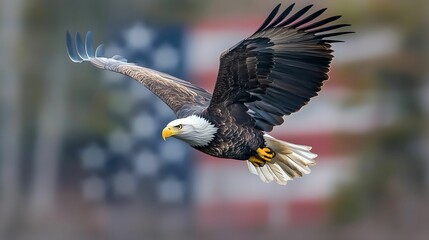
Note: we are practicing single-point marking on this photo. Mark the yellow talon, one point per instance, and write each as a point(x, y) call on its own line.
point(263, 156)
point(265, 153)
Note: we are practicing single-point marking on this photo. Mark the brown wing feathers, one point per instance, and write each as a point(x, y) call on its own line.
point(279, 68)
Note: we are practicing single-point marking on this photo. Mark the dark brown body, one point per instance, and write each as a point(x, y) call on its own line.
point(235, 138)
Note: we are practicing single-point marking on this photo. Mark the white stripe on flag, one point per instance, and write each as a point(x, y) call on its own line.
point(204, 47)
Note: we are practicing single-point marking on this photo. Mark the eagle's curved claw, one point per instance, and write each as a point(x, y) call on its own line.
point(265, 153)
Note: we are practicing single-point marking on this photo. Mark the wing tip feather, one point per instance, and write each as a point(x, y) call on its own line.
point(297, 21)
point(83, 51)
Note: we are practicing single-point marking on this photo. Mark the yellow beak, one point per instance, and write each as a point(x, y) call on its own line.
point(167, 132)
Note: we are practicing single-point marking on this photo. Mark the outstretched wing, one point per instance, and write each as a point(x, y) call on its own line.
point(176, 93)
point(279, 68)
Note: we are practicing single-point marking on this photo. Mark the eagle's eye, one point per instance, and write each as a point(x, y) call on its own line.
point(179, 126)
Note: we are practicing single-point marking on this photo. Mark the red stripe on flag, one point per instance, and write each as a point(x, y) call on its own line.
point(247, 214)
point(307, 211)
point(205, 79)
point(243, 214)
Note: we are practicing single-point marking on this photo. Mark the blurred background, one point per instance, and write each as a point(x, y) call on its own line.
point(81, 154)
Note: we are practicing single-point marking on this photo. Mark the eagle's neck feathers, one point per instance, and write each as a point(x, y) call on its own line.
point(197, 131)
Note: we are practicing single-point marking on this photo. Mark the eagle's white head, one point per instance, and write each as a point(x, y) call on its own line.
point(194, 130)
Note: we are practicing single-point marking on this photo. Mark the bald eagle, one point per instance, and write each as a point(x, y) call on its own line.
point(266, 76)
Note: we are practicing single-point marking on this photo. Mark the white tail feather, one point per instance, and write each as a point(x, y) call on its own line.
point(291, 161)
